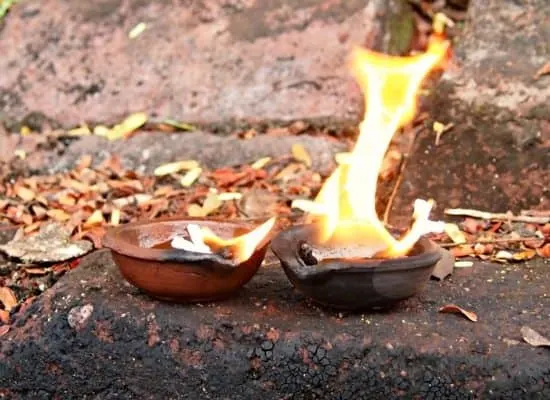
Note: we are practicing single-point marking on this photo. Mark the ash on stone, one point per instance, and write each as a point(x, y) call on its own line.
point(52, 243)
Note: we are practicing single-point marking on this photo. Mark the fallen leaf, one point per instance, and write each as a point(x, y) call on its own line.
point(464, 264)
point(95, 219)
point(190, 177)
point(534, 338)
point(126, 127)
point(504, 255)
point(4, 317)
point(300, 154)
point(179, 125)
point(135, 199)
point(454, 233)
point(211, 203)
point(228, 196)
point(452, 308)
point(4, 329)
point(173, 167)
point(444, 266)
point(115, 217)
point(524, 255)
point(544, 251)
point(7, 298)
point(262, 162)
point(83, 130)
point(24, 193)
point(462, 251)
point(544, 70)
point(137, 30)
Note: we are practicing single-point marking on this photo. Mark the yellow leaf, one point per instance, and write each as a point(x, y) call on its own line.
point(115, 217)
point(190, 177)
point(454, 232)
point(137, 30)
point(211, 203)
point(80, 131)
point(228, 196)
point(300, 154)
point(262, 162)
point(126, 127)
point(194, 210)
point(95, 219)
point(173, 167)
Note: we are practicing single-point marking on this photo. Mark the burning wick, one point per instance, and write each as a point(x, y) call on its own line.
point(241, 248)
point(344, 209)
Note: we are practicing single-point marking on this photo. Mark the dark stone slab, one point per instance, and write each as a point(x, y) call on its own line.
point(497, 155)
point(145, 151)
point(94, 336)
point(201, 61)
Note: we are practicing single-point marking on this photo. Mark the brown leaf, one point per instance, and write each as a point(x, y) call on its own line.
point(534, 338)
point(462, 251)
point(84, 162)
point(58, 215)
point(544, 251)
point(7, 297)
point(24, 193)
point(452, 308)
point(4, 329)
point(544, 70)
point(4, 316)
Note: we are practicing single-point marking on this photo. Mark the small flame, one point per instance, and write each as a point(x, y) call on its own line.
point(346, 203)
point(242, 247)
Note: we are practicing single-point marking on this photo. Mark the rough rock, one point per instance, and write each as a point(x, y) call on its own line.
point(201, 61)
point(145, 151)
point(497, 155)
point(269, 342)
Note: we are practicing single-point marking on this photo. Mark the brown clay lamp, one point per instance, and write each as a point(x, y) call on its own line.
point(191, 259)
point(345, 257)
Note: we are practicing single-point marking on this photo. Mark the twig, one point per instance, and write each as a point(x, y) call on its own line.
point(402, 165)
point(492, 241)
point(463, 212)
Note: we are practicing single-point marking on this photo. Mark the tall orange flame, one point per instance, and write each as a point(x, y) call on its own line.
point(346, 203)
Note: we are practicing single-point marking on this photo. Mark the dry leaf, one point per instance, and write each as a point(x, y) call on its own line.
point(136, 199)
point(190, 177)
point(95, 219)
point(115, 217)
point(58, 215)
point(126, 127)
point(534, 338)
point(4, 329)
point(137, 30)
point(4, 317)
point(524, 255)
point(544, 251)
point(24, 193)
point(262, 162)
point(544, 70)
point(80, 131)
point(452, 308)
point(7, 298)
point(211, 203)
point(454, 233)
point(462, 251)
point(84, 162)
point(228, 196)
point(172, 168)
point(300, 154)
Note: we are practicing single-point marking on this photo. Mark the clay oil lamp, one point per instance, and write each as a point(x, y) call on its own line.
point(344, 256)
point(191, 259)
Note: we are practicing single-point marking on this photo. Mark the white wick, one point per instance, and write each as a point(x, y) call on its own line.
point(195, 244)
